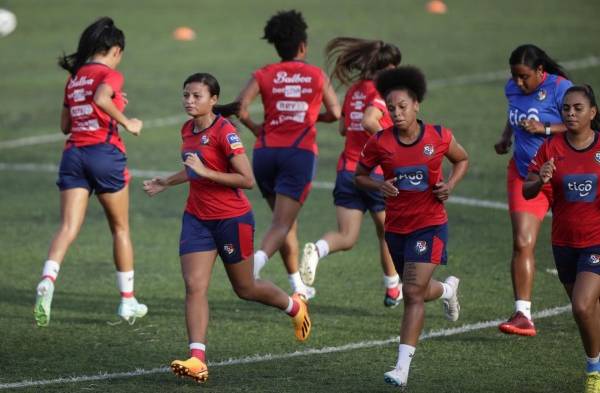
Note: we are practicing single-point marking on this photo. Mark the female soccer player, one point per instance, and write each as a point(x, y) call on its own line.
point(94, 161)
point(217, 219)
point(570, 164)
point(534, 93)
point(416, 230)
point(285, 152)
point(364, 113)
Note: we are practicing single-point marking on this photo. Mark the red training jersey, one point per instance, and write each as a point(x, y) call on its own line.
point(291, 92)
point(576, 204)
point(215, 146)
point(417, 167)
point(90, 125)
point(359, 97)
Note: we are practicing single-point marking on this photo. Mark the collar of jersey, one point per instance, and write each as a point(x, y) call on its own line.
point(421, 133)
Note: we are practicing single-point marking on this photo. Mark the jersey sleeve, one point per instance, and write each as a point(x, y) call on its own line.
point(540, 157)
point(115, 80)
point(231, 143)
point(369, 157)
point(562, 85)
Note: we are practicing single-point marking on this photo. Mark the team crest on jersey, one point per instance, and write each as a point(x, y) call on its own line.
point(421, 247)
point(428, 150)
point(597, 157)
point(204, 139)
point(594, 259)
point(541, 95)
point(229, 248)
point(234, 141)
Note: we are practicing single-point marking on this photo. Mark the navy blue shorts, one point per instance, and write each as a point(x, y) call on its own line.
point(570, 261)
point(98, 168)
point(233, 238)
point(346, 194)
point(426, 245)
point(285, 171)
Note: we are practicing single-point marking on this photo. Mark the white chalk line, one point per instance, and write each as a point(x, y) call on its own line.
point(270, 357)
point(485, 77)
point(323, 185)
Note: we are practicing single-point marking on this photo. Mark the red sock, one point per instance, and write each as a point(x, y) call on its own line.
point(127, 295)
point(393, 292)
point(198, 353)
point(295, 308)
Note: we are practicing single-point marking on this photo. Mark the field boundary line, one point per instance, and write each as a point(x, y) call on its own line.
point(322, 185)
point(461, 80)
point(269, 357)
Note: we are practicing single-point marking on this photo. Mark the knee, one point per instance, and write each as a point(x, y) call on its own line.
point(244, 292)
point(69, 231)
point(194, 288)
point(413, 294)
point(523, 243)
point(582, 308)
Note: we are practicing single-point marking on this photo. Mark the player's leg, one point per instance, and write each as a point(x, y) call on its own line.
point(73, 205)
point(196, 268)
point(116, 209)
point(391, 279)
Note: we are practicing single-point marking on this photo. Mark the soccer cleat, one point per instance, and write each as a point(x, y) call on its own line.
point(451, 306)
point(301, 320)
point(43, 302)
point(395, 378)
point(129, 309)
point(308, 263)
point(305, 291)
point(193, 368)
point(592, 382)
point(393, 296)
point(518, 324)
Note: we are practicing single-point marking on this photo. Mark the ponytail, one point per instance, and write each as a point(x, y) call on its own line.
point(98, 37)
point(533, 57)
point(356, 58)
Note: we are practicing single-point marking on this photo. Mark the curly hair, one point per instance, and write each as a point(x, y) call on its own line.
point(407, 78)
point(286, 30)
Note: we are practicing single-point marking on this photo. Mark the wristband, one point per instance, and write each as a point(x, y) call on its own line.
point(547, 128)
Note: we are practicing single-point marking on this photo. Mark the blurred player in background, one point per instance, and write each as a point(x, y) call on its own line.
point(218, 219)
point(534, 93)
point(94, 160)
point(570, 164)
point(416, 223)
point(285, 153)
point(357, 62)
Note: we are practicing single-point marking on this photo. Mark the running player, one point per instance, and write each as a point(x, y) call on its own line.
point(569, 163)
point(285, 153)
point(416, 230)
point(218, 219)
point(94, 161)
point(534, 93)
point(357, 62)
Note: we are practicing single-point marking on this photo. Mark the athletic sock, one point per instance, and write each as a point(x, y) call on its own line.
point(260, 259)
point(125, 284)
point(198, 350)
point(448, 291)
point(50, 270)
point(322, 248)
point(292, 308)
point(296, 282)
point(405, 355)
point(524, 306)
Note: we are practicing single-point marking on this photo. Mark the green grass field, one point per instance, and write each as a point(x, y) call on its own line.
point(470, 41)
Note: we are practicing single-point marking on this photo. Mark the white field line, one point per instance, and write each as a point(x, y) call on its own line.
point(323, 185)
point(586, 62)
point(270, 357)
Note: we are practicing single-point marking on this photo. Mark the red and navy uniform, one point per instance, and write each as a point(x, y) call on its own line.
point(359, 97)
point(216, 216)
point(576, 205)
point(94, 156)
point(284, 158)
point(415, 221)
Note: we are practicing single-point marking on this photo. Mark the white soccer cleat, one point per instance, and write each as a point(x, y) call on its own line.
point(305, 291)
point(395, 378)
point(308, 263)
point(43, 302)
point(451, 306)
point(129, 309)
